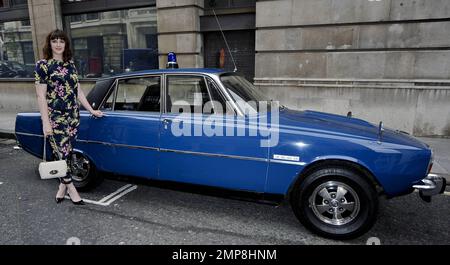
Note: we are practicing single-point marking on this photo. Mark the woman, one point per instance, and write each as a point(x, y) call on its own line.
point(57, 91)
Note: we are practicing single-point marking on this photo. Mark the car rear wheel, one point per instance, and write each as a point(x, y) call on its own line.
point(84, 174)
point(335, 202)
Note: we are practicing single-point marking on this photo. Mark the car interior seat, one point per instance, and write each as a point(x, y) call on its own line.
point(150, 101)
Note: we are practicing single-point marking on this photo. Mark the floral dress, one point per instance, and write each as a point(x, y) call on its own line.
point(62, 91)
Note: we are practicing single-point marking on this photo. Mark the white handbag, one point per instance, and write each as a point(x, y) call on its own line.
point(52, 169)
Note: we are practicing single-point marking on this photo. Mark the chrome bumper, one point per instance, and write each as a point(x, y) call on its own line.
point(432, 185)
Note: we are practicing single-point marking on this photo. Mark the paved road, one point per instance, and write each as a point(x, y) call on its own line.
point(151, 215)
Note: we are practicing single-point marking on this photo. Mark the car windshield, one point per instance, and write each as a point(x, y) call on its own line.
point(244, 93)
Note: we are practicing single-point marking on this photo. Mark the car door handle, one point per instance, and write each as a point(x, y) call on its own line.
point(167, 121)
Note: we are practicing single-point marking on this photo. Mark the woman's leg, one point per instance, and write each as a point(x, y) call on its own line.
point(54, 141)
point(67, 148)
point(61, 191)
point(62, 148)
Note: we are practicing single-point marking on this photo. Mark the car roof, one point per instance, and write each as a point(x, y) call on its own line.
point(179, 70)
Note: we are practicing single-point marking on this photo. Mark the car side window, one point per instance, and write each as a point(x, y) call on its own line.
point(220, 104)
point(137, 94)
point(187, 94)
point(109, 102)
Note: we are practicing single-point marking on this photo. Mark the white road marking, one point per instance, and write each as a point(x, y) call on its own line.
point(115, 193)
point(122, 194)
point(111, 197)
point(90, 201)
point(1, 183)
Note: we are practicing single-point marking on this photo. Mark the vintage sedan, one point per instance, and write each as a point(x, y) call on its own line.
point(202, 127)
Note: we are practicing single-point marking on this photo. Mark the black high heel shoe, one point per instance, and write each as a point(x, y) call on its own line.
point(80, 202)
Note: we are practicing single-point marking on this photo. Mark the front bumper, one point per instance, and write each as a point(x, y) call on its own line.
point(432, 185)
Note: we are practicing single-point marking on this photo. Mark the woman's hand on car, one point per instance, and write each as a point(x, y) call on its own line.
point(97, 113)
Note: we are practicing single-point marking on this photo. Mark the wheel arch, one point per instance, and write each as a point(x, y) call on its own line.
point(76, 150)
point(87, 154)
point(327, 162)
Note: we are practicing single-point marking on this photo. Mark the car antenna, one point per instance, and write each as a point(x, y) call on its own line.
point(225, 39)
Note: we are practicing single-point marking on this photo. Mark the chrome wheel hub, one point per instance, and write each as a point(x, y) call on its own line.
point(80, 167)
point(335, 203)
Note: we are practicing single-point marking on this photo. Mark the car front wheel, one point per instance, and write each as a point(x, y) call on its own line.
point(335, 202)
point(84, 174)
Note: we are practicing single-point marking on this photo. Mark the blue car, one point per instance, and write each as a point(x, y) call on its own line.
point(213, 128)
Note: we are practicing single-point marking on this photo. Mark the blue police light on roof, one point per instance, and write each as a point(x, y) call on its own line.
point(172, 57)
point(172, 60)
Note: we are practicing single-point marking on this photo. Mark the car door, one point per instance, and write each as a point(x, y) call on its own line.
point(200, 157)
point(126, 140)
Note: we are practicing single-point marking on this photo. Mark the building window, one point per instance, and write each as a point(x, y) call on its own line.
point(92, 16)
point(76, 18)
point(18, 2)
point(16, 50)
point(28, 53)
point(12, 3)
point(3, 3)
point(112, 42)
point(209, 4)
point(73, 1)
point(25, 23)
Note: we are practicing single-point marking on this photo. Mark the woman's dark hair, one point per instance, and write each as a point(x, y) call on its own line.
point(57, 34)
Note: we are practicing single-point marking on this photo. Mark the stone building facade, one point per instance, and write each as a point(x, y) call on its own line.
point(382, 60)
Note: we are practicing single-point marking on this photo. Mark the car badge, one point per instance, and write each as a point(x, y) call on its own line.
point(285, 157)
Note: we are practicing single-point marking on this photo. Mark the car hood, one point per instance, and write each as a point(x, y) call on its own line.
point(332, 124)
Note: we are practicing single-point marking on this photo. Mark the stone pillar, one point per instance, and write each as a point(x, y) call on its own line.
point(179, 31)
point(45, 16)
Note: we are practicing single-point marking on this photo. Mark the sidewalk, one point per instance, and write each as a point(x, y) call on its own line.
point(441, 146)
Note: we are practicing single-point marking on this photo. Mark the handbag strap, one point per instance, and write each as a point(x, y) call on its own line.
point(45, 148)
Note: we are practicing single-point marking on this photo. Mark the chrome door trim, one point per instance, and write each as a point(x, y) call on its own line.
point(176, 151)
point(287, 162)
point(29, 134)
point(215, 155)
point(119, 145)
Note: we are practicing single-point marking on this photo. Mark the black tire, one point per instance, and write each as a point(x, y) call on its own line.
point(309, 205)
point(86, 179)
